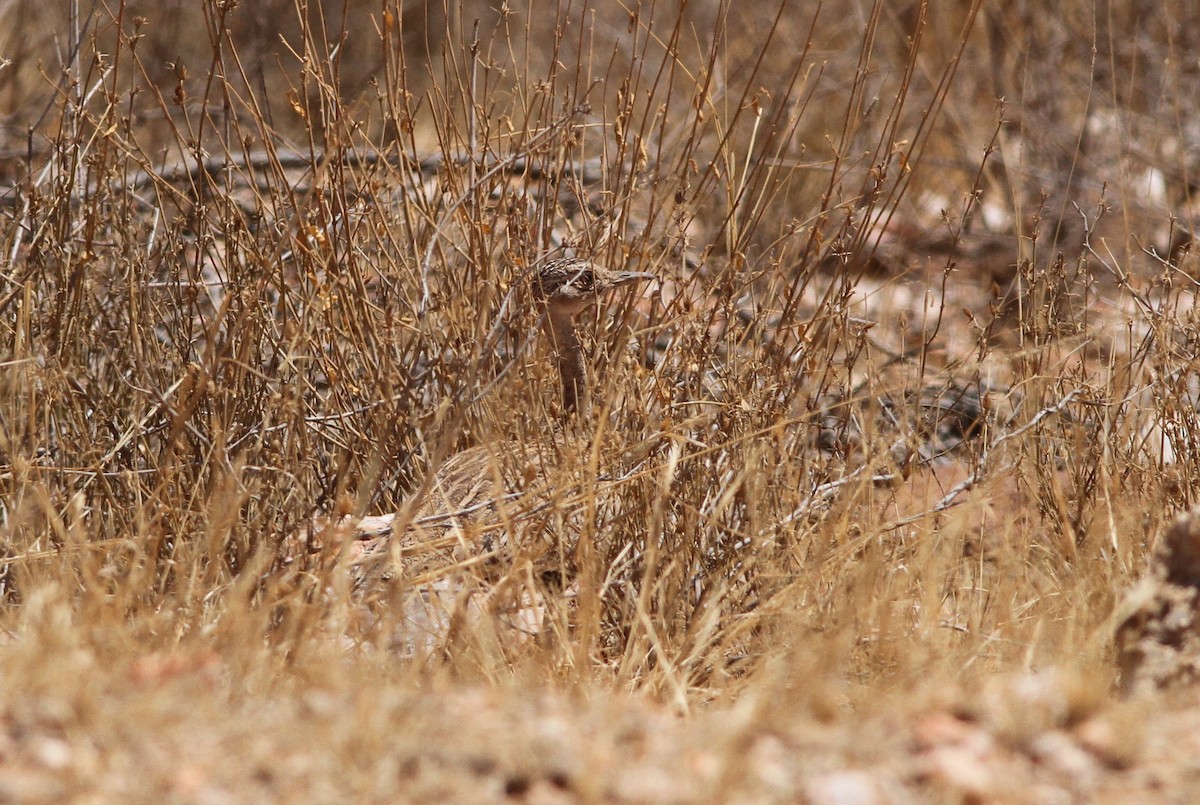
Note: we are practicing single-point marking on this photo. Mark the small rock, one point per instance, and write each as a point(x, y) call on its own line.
point(53, 753)
point(844, 788)
point(1158, 624)
point(1057, 751)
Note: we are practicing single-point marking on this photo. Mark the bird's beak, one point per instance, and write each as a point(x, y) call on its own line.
point(626, 277)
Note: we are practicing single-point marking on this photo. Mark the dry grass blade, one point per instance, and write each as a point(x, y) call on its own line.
point(330, 470)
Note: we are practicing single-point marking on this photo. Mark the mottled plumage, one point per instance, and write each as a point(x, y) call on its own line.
point(454, 556)
point(566, 287)
point(569, 284)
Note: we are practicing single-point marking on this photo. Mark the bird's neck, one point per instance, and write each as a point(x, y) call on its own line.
point(560, 328)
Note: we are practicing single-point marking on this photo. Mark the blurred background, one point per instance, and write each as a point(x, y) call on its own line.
point(1086, 103)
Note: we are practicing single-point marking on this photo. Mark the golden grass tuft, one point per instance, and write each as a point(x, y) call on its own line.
point(865, 475)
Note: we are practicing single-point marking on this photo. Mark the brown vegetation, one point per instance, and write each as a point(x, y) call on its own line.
point(861, 481)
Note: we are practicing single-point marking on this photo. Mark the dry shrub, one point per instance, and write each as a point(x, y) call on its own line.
point(914, 391)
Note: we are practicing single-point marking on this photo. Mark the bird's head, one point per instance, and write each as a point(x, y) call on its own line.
point(569, 285)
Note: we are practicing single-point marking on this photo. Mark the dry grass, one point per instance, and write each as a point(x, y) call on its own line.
point(264, 261)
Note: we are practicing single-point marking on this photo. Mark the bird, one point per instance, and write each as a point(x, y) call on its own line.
point(565, 288)
point(450, 559)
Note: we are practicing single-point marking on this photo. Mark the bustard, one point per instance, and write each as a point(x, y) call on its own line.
point(452, 557)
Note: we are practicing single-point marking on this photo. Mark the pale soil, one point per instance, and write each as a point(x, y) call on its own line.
point(183, 729)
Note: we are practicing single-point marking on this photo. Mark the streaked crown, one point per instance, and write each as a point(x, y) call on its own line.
point(573, 283)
